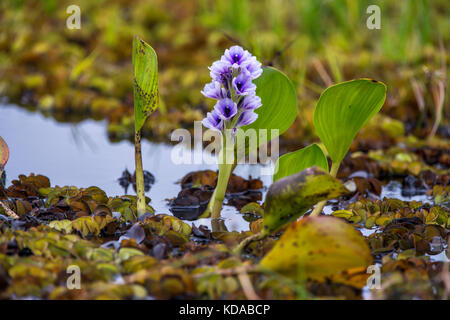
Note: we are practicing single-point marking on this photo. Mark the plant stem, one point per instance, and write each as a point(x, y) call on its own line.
point(333, 172)
point(241, 246)
point(226, 167)
point(8, 211)
point(140, 191)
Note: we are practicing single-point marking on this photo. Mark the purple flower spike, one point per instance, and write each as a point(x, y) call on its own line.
point(226, 108)
point(214, 90)
point(243, 84)
point(253, 66)
point(236, 56)
point(213, 121)
point(220, 71)
point(247, 117)
point(232, 85)
point(250, 102)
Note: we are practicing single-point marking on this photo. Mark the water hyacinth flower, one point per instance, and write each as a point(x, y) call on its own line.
point(253, 66)
point(250, 102)
point(236, 56)
point(232, 85)
point(221, 71)
point(213, 121)
point(226, 108)
point(246, 118)
point(214, 90)
point(243, 84)
point(233, 88)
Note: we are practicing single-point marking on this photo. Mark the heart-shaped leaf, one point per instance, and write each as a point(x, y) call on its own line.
point(145, 71)
point(279, 105)
point(4, 153)
point(293, 162)
point(343, 109)
point(290, 197)
point(319, 248)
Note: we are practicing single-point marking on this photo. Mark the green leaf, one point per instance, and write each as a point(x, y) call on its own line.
point(291, 163)
point(320, 248)
point(343, 109)
point(145, 71)
point(279, 104)
point(290, 197)
point(4, 153)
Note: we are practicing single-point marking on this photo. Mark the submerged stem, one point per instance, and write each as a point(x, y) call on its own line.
point(319, 207)
point(140, 191)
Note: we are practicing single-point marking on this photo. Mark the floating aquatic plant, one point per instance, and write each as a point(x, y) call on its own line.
point(320, 248)
point(290, 197)
point(342, 110)
point(248, 97)
point(145, 71)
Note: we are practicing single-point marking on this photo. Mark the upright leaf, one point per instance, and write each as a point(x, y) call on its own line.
point(279, 104)
point(145, 71)
point(293, 162)
point(343, 109)
point(4, 154)
point(319, 248)
point(289, 198)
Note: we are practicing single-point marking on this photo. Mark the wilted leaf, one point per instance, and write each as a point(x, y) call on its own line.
point(343, 109)
point(145, 70)
point(290, 197)
point(86, 225)
point(318, 248)
point(293, 162)
point(169, 226)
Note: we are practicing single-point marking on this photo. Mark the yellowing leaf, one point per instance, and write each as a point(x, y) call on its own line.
point(145, 70)
point(289, 198)
point(61, 225)
point(319, 248)
point(86, 226)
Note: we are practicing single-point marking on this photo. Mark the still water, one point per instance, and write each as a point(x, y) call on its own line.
point(82, 155)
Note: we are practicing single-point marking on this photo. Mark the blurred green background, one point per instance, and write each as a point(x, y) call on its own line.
point(75, 74)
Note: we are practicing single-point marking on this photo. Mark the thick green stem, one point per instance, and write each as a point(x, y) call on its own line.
point(140, 190)
point(226, 167)
point(319, 207)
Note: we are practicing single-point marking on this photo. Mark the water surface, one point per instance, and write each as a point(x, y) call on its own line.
point(82, 155)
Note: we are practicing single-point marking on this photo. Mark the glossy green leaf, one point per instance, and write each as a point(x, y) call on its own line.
point(290, 197)
point(319, 248)
point(293, 162)
point(343, 109)
point(279, 104)
point(145, 71)
point(4, 153)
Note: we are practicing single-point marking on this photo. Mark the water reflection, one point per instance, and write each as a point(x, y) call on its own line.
point(81, 155)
